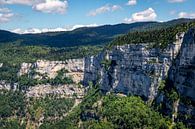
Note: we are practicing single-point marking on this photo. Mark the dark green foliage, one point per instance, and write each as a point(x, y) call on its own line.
point(15, 53)
point(12, 103)
point(106, 64)
point(9, 72)
point(112, 112)
point(86, 36)
point(49, 107)
point(172, 95)
point(11, 124)
point(131, 112)
point(82, 36)
point(169, 90)
point(25, 82)
point(59, 125)
point(179, 125)
point(162, 84)
point(158, 38)
point(97, 125)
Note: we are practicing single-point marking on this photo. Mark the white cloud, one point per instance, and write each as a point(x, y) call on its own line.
point(36, 30)
point(79, 26)
point(115, 7)
point(5, 15)
point(132, 2)
point(52, 6)
point(5, 10)
point(186, 15)
point(104, 9)
point(23, 2)
point(46, 6)
point(146, 15)
point(176, 1)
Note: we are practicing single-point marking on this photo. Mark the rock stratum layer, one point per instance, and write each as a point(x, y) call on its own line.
point(138, 69)
point(132, 69)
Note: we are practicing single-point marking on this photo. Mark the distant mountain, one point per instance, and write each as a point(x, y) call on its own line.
point(6, 36)
point(86, 35)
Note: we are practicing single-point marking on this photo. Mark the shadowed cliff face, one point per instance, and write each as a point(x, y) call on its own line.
point(133, 69)
point(182, 76)
point(182, 72)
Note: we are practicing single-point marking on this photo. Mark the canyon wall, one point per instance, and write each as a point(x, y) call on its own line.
point(138, 69)
point(133, 69)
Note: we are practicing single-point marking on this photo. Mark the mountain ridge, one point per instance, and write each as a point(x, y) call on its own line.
point(85, 35)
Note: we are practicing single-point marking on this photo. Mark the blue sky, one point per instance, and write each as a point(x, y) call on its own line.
point(23, 16)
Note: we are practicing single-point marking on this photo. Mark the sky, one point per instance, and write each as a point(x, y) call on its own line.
point(36, 16)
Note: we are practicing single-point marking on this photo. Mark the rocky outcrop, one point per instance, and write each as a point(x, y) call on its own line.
point(8, 86)
point(43, 69)
point(1, 65)
point(132, 69)
point(49, 69)
point(67, 91)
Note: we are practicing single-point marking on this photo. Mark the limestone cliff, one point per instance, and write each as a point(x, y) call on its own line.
point(132, 69)
point(137, 69)
point(182, 76)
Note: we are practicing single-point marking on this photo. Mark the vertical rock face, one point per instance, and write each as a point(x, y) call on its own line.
point(137, 69)
point(182, 74)
point(132, 69)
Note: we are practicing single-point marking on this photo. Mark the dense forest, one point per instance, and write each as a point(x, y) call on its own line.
point(98, 111)
point(158, 38)
point(18, 112)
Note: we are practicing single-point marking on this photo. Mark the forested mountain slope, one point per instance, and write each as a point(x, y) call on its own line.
point(87, 35)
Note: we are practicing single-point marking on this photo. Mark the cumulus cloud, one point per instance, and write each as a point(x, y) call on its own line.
point(186, 15)
point(132, 2)
point(146, 15)
point(23, 2)
point(104, 9)
point(176, 1)
point(36, 30)
point(52, 6)
point(5, 15)
point(115, 7)
point(46, 6)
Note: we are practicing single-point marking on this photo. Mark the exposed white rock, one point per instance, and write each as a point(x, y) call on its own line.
point(8, 86)
point(1, 65)
point(67, 91)
point(25, 67)
point(49, 69)
point(183, 71)
point(135, 68)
